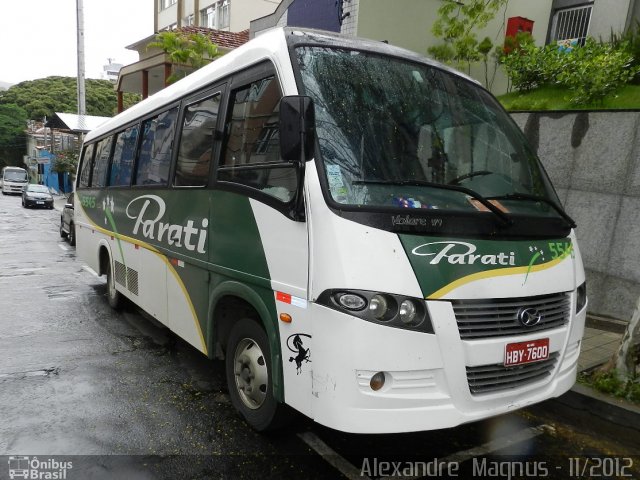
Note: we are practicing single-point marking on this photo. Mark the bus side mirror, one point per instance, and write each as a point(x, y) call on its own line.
point(297, 128)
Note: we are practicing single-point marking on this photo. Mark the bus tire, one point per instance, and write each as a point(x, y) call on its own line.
point(71, 236)
point(114, 297)
point(249, 377)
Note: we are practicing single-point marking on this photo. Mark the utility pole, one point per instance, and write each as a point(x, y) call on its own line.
point(82, 109)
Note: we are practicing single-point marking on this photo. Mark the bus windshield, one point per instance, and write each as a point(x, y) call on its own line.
point(395, 133)
point(15, 175)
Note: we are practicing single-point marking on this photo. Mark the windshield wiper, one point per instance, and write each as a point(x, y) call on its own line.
point(537, 198)
point(456, 188)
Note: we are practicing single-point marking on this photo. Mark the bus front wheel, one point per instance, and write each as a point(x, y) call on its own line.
point(249, 377)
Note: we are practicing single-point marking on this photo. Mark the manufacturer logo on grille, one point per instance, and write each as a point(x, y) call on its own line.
point(529, 317)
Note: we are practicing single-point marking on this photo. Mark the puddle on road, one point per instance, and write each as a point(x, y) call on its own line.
point(45, 372)
point(9, 272)
point(60, 292)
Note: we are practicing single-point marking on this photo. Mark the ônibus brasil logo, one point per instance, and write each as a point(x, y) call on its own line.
point(33, 468)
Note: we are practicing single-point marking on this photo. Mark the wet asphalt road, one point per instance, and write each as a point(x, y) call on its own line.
point(124, 398)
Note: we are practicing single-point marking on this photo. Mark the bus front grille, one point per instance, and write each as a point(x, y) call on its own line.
point(493, 378)
point(498, 317)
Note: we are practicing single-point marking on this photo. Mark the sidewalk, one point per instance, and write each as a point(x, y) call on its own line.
point(59, 201)
point(598, 346)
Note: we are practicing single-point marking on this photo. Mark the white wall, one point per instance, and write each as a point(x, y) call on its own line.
point(167, 16)
point(607, 15)
point(243, 11)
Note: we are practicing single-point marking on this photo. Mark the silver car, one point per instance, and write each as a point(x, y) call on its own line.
point(67, 227)
point(35, 195)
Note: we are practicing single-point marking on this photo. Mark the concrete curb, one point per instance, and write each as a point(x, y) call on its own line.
point(593, 411)
point(608, 408)
point(606, 324)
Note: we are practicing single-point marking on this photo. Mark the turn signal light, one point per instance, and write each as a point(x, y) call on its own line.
point(377, 381)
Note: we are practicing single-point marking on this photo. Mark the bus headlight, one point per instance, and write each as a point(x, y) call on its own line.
point(378, 306)
point(382, 308)
point(407, 312)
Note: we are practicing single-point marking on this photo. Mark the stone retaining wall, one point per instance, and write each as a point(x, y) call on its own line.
point(593, 159)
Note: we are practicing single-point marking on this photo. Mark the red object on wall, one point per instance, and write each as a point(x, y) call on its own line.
point(516, 25)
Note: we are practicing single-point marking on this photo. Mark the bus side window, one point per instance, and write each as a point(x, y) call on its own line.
point(251, 154)
point(123, 155)
point(154, 159)
point(196, 142)
point(101, 162)
point(85, 169)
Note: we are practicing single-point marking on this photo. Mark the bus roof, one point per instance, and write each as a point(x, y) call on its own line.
point(273, 44)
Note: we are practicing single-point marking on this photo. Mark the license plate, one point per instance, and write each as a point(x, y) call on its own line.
point(526, 352)
point(40, 203)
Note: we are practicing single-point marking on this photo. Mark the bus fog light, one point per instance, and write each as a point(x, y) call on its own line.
point(351, 301)
point(378, 306)
point(407, 311)
point(377, 381)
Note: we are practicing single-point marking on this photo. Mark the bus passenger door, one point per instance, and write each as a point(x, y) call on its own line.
point(255, 233)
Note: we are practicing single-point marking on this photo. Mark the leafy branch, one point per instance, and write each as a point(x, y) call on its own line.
point(456, 26)
point(192, 49)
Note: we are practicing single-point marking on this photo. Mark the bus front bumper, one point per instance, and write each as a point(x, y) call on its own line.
point(426, 375)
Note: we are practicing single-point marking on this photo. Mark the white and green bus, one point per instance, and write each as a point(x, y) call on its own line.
point(362, 234)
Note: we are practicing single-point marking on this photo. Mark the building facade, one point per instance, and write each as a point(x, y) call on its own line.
point(225, 22)
point(226, 15)
point(407, 23)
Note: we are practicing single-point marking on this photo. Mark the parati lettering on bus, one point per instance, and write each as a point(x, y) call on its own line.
point(460, 256)
point(192, 238)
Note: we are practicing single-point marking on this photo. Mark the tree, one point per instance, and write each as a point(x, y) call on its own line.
point(13, 123)
point(194, 50)
point(65, 162)
point(45, 96)
point(456, 25)
point(484, 49)
point(624, 361)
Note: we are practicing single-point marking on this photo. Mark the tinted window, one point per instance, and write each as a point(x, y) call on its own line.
point(101, 162)
point(155, 151)
point(123, 155)
point(85, 170)
point(196, 142)
point(252, 154)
